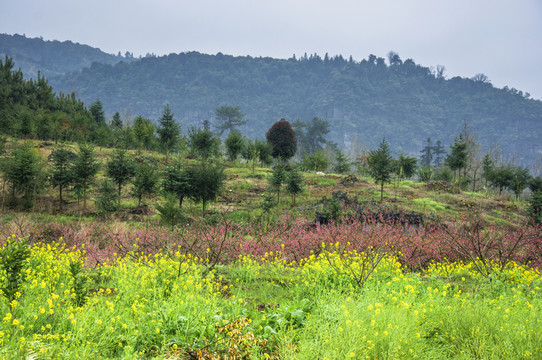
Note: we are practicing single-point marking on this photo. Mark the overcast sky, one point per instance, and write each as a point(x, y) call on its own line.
point(500, 38)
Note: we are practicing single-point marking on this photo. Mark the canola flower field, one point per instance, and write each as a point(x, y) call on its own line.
point(327, 306)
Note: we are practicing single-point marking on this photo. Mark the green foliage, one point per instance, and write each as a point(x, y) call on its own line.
point(120, 169)
point(229, 118)
point(311, 135)
point(488, 167)
point(342, 165)
point(428, 204)
point(107, 198)
point(249, 152)
point(296, 87)
point(85, 168)
point(145, 181)
point(425, 173)
point(30, 108)
point(116, 123)
point(203, 142)
point(444, 173)
point(170, 213)
point(381, 166)
point(315, 162)
point(534, 211)
point(405, 166)
point(535, 184)
point(324, 181)
point(268, 202)
point(294, 183)
point(234, 144)
point(13, 259)
point(61, 172)
point(23, 170)
point(264, 151)
point(206, 182)
point(501, 177)
point(520, 180)
point(283, 140)
point(53, 58)
point(143, 131)
point(457, 159)
point(168, 131)
point(177, 181)
point(277, 179)
point(79, 282)
point(97, 111)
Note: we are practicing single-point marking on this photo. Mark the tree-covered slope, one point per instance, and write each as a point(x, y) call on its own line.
point(364, 101)
point(51, 58)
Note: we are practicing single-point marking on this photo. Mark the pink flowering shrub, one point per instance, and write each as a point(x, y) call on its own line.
point(470, 240)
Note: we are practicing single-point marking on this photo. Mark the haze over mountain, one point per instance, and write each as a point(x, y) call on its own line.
point(52, 58)
point(364, 101)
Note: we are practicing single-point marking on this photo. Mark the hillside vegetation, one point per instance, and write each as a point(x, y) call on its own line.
point(363, 100)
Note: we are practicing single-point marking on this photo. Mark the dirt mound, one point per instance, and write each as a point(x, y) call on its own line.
point(442, 186)
point(348, 180)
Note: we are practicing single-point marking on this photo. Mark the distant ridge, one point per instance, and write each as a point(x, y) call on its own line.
point(51, 58)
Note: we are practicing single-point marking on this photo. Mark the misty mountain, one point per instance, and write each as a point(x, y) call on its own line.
point(52, 58)
point(364, 101)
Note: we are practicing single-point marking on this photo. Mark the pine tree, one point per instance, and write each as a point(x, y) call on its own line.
point(520, 180)
point(206, 182)
point(61, 173)
point(168, 131)
point(381, 166)
point(143, 132)
point(145, 181)
point(342, 166)
point(457, 159)
point(176, 180)
point(439, 152)
point(277, 179)
point(107, 198)
point(22, 170)
point(116, 124)
point(85, 168)
point(97, 111)
point(120, 169)
point(427, 154)
point(294, 183)
point(203, 142)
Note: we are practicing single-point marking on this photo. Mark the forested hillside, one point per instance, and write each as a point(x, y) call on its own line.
point(364, 101)
point(52, 57)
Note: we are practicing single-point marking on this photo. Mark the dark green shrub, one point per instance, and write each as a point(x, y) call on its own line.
point(107, 198)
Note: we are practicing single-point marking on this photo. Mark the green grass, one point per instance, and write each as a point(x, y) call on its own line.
point(427, 204)
point(241, 216)
point(322, 181)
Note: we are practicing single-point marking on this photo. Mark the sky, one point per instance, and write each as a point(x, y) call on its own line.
point(499, 38)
